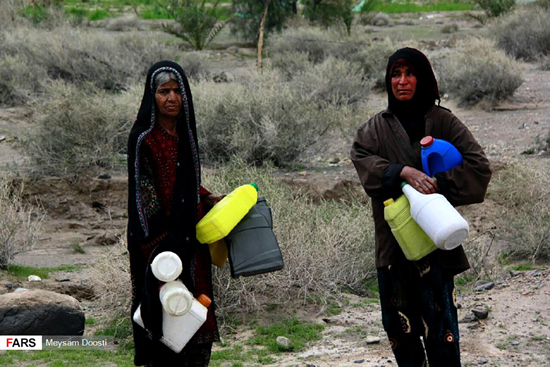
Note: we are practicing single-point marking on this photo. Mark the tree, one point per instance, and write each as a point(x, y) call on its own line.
point(330, 12)
point(198, 22)
point(248, 16)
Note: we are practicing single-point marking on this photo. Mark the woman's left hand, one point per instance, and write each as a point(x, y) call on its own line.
point(212, 200)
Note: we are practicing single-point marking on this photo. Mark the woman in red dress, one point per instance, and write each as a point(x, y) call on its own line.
point(165, 202)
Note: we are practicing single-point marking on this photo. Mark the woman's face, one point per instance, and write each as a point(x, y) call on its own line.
point(403, 82)
point(168, 97)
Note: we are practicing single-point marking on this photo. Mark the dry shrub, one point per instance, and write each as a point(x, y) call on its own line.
point(525, 33)
point(326, 246)
point(289, 50)
point(10, 11)
point(317, 43)
point(18, 81)
point(80, 130)
point(81, 56)
point(19, 226)
point(525, 195)
point(110, 278)
point(262, 118)
point(477, 72)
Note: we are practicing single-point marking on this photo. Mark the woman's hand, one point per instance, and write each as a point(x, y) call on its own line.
point(419, 180)
point(210, 200)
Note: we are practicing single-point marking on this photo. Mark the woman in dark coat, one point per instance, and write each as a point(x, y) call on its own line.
point(418, 298)
point(165, 202)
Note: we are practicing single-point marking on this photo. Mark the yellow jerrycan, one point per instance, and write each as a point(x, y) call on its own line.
point(414, 242)
point(227, 213)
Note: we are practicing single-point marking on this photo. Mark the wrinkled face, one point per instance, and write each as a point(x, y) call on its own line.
point(403, 82)
point(168, 97)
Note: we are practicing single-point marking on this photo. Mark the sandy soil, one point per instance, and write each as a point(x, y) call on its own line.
point(91, 214)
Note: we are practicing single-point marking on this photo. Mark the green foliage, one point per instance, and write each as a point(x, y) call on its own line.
point(155, 12)
point(298, 332)
point(492, 9)
point(524, 34)
point(198, 21)
point(330, 12)
point(246, 23)
point(21, 271)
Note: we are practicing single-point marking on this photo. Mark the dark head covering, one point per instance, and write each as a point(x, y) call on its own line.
point(411, 113)
point(188, 159)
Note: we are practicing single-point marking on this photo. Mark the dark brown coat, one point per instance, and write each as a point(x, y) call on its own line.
point(382, 141)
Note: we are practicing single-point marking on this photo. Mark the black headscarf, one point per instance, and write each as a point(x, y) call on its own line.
point(148, 228)
point(411, 113)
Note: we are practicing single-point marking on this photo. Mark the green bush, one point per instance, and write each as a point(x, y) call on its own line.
point(493, 9)
point(198, 22)
point(248, 13)
point(477, 72)
point(80, 130)
point(330, 12)
point(524, 34)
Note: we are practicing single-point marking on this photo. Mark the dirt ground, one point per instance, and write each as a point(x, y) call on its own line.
point(82, 219)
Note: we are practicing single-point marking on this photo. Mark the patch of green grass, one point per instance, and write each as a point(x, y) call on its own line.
point(98, 14)
point(154, 12)
point(397, 8)
point(21, 271)
point(67, 358)
point(299, 333)
point(91, 321)
point(464, 279)
point(523, 267)
point(77, 248)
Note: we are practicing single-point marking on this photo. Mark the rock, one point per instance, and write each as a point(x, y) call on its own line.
point(483, 361)
point(40, 312)
point(359, 361)
point(481, 314)
point(283, 342)
point(34, 278)
point(372, 340)
point(483, 286)
point(223, 77)
point(20, 290)
point(468, 318)
point(104, 176)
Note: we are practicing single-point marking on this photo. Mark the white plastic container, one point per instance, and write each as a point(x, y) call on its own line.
point(166, 266)
point(178, 330)
point(438, 218)
point(175, 298)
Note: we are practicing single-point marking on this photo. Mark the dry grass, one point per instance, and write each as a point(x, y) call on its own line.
point(525, 195)
point(477, 72)
point(327, 246)
point(19, 225)
point(110, 278)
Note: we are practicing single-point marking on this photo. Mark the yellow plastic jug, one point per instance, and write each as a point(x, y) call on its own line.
point(414, 242)
point(218, 253)
point(227, 213)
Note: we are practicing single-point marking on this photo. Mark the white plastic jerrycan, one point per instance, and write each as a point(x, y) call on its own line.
point(437, 217)
point(166, 266)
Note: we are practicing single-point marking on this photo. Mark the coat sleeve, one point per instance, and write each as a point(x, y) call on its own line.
point(467, 183)
point(369, 165)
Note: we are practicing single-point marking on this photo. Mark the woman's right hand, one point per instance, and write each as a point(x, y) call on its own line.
point(419, 180)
